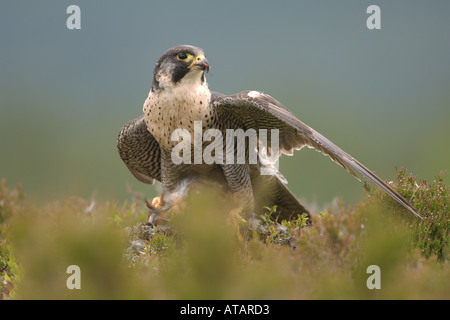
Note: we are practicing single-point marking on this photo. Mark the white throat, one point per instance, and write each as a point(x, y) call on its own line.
point(176, 106)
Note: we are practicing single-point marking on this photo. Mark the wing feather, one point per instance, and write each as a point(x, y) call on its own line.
point(251, 109)
point(140, 151)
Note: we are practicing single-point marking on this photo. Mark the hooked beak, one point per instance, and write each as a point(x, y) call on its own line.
point(200, 63)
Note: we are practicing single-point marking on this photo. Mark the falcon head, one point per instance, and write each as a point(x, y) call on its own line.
point(178, 64)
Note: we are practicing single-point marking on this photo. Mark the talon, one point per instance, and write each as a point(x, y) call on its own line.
point(148, 204)
point(157, 202)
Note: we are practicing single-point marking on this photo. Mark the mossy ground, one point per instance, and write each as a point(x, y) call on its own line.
point(210, 252)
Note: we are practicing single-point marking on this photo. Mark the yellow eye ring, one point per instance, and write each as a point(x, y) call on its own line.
point(183, 56)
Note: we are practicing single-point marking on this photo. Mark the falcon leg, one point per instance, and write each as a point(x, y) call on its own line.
point(170, 172)
point(239, 182)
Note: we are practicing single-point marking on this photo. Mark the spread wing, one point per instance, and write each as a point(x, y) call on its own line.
point(140, 151)
point(252, 109)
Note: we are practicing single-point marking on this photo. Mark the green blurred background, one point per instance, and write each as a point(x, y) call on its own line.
point(381, 95)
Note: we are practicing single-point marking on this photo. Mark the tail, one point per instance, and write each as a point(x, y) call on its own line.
point(269, 191)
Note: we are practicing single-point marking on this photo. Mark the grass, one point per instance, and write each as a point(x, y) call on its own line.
point(209, 252)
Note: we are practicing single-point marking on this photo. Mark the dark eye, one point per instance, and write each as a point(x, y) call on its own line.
point(182, 56)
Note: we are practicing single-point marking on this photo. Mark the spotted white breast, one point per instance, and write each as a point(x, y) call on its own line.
point(176, 107)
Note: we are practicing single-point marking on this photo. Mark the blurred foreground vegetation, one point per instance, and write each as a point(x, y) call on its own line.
point(210, 252)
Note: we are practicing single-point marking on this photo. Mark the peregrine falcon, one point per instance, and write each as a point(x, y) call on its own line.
point(180, 99)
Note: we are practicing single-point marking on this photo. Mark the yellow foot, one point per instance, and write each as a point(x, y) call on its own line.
point(157, 202)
